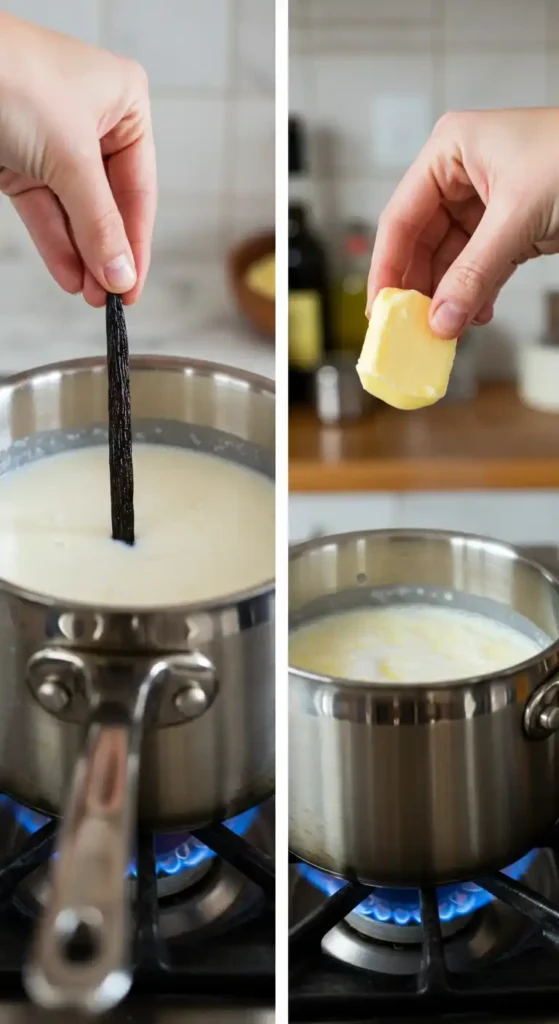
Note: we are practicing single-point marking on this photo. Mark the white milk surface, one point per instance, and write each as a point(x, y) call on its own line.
point(407, 643)
point(204, 528)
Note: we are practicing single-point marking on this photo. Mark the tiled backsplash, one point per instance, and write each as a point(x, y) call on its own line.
point(371, 77)
point(211, 70)
point(514, 516)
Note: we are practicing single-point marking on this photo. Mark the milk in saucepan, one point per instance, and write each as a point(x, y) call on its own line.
point(408, 643)
point(204, 528)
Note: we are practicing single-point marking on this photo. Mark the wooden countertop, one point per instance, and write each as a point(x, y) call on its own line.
point(491, 442)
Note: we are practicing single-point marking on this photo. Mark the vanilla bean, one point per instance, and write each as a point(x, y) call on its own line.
point(120, 423)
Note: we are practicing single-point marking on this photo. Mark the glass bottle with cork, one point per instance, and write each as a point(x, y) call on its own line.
point(310, 327)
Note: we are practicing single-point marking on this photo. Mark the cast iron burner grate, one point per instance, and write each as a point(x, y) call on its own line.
point(233, 962)
point(525, 981)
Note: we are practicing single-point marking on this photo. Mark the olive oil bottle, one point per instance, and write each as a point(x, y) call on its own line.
point(350, 292)
point(310, 329)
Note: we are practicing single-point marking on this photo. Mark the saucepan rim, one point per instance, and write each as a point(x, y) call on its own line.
point(356, 686)
point(141, 362)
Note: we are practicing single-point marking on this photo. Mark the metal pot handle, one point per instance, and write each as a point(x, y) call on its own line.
point(541, 713)
point(80, 957)
point(81, 954)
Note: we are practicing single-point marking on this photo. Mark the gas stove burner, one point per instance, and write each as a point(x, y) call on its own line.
point(175, 853)
point(195, 888)
point(394, 915)
point(384, 934)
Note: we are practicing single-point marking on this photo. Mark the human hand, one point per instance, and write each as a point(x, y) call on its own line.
point(481, 198)
point(77, 158)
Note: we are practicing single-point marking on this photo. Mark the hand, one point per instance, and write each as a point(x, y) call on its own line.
point(77, 158)
point(481, 198)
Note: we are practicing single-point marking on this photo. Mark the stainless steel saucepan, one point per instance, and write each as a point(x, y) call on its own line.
point(177, 703)
point(420, 784)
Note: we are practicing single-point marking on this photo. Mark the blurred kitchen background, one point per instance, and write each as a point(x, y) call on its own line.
point(211, 70)
point(368, 80)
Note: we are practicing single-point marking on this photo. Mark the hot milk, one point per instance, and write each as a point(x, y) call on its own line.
point(407, 643)
point(204, 528)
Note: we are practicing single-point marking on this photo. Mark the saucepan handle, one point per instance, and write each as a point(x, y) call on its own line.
point(541, 712)
point(81, 955)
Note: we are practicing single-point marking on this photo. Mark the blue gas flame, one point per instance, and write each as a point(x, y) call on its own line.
point(173, 853)
point(401, 906)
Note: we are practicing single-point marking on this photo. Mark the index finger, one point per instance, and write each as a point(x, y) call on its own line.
point(133, 178)
point(414, 203)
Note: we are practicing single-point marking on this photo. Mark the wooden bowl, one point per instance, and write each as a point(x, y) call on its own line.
point(257, 309)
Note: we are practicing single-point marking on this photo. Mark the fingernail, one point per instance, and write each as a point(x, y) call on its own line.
point(448, 320)
point(120, 273)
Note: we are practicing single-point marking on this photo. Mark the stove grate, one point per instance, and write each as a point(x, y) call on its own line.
point(322, 989)
point(235, 961)
point(256, 866)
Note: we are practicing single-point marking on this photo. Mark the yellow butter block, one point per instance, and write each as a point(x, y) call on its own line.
point(402, 362)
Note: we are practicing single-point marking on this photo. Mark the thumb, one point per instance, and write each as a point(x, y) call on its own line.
point(485, 260)
point(83, 189)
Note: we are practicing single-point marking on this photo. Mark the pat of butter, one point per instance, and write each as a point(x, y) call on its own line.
point(402, 362)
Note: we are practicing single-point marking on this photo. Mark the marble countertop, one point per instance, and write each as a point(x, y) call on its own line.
point(185, 311)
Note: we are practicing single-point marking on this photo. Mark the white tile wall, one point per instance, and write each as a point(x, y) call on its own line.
point(252, 170)
point(211, 69)
point(371, 77)
point(311, 516)
point(493, 24)
point(182, 44)
point(81, 19)
point(352, 122)
point(190, 143)
point(332, 12)
point(476, 81)
point(255, 63)
point(511, 516)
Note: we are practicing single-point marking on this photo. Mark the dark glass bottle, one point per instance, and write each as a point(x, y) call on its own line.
point(310, 329)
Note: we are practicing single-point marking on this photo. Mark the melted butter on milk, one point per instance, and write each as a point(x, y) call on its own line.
point(408, 643)
point(204, 528)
